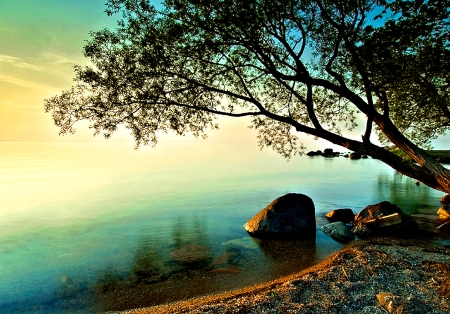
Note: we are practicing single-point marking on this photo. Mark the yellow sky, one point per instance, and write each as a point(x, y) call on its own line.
point(40, 41)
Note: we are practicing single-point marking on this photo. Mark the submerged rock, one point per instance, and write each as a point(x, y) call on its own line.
point(243, 243)
point(191, 253)
point(289, 216)
point(338, 231)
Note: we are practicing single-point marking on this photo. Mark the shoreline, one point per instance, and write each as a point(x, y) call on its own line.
point(368, 276)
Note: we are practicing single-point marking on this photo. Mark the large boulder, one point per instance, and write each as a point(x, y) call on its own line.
point(291, 216)
point(371, 214)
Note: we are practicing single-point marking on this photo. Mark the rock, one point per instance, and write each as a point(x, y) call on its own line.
point(394, 304)
point(243, 243)
point(311, 153)
point(338, 231)
point(224, 258)
point(289, 216)
point(364, 156)
point(376, 211)
point(355, 156)
point(341, 214)
point(387, 301)
point(445, 199)
point(362, 231)
point(443, 213)
point(328, 152)
point(225, 270)
point(191, 253)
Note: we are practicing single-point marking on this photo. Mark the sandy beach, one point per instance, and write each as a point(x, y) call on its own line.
point(383, 275)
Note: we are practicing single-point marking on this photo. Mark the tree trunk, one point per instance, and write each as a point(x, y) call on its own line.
point(427, 169)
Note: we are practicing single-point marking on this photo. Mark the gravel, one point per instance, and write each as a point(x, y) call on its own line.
point(379, 276)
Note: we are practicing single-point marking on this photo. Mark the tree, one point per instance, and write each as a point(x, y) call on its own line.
point(292, 66)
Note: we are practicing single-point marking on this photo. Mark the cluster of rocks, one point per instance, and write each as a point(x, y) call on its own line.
point(328, 152)
point(293, 216)
point(383, 218)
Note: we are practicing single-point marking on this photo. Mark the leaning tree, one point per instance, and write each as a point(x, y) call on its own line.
point(291, 66)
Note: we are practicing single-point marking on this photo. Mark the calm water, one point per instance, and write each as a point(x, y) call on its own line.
point(88, 227)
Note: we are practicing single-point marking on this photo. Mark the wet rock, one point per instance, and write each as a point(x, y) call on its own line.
point(445, 199)
point(289, 216)
point(373, 212)
point(355, 156)
point(443, 213)
point(338, 231)
point(362, 231)
point(328, 152)
point(191, 253)
point(341, 214)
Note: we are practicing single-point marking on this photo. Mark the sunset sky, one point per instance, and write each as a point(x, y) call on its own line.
point(40, 41)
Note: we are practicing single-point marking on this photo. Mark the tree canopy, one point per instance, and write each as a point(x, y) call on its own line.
point(292, 66)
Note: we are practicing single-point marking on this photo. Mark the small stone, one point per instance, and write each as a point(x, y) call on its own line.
point(443, 213)
point(362, 231)
point(355, 156)
point(445, 199)
point(341, 214)
point(338, 231)
point(387, 301)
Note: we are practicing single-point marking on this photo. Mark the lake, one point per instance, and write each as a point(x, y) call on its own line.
point(93, 226)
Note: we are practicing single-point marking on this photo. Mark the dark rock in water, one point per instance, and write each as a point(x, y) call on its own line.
point(290, 216)
point(364, 156)
point(445, 199)
point(311, 153)
point(341, 214)
point(338, 231)
point(355, 156)
point(362, 231)
point(377, 211)
point(328, 152)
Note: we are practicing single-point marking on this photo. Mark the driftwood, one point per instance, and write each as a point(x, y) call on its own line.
point(384, 221)
point(444, 225)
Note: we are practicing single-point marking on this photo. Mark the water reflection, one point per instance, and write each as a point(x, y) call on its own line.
point(192, 264)
point(402, 191)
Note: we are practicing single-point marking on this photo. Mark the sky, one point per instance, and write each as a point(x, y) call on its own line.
point(40, 41)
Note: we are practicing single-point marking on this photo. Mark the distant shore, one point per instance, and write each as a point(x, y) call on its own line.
point(377, 276)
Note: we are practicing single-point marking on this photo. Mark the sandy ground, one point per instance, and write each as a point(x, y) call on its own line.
point(378, 276)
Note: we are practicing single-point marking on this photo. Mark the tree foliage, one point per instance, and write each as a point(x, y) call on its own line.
point(292, 66)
